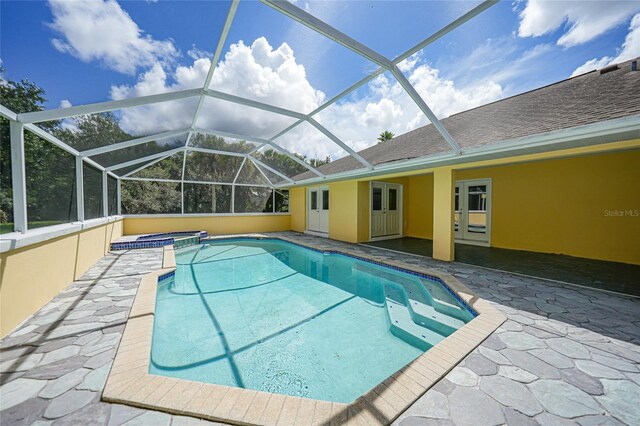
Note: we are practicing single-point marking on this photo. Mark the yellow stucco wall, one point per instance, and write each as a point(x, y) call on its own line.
point(31, 276)
point(540, 203)
point(560, 206)
point(419, 214)
point(344, 211)
point(214, 225)
point(443, 187)
point(298, 208)
point(364, 189)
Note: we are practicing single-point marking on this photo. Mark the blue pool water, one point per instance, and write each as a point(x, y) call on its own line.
point(273, 316)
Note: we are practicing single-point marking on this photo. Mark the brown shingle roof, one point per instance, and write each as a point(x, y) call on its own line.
point(585, 99)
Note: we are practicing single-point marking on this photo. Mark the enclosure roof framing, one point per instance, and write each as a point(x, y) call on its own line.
point(202, 93)
point(75, 111)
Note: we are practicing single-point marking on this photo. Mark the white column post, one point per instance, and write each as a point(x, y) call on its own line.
point(105, 194)
point(18, 176)
point(182, 196)
point(273, 203)
point(233, 198)
point(79, 189)
point(119, 196)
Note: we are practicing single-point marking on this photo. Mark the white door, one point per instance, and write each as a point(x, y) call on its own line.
point(318, 210)
point(392, 193)
point(324, 210)
point(378, 222)
point(386, 209)
point(473, 211)
point(314, 210)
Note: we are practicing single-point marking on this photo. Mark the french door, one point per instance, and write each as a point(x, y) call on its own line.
point(473, 211)
point(318, 210)
point(386, 209)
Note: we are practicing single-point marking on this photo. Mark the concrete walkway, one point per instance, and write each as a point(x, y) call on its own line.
point(565, 356)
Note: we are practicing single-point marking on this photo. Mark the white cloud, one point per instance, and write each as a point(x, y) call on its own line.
point(273, 76)
point(258, 72)
point(585, 20)
point(385, 105)
point(102, 31)
point(630, 49)
point(270, 75)
point(67, 123)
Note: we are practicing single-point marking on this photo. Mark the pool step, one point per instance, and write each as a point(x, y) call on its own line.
point(402, 322)
point(428, 315)
point(422, 302)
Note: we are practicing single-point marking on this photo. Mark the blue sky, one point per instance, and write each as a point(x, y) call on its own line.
point(82, 52)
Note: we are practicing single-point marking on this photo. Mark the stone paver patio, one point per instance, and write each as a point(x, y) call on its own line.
point(566, 355)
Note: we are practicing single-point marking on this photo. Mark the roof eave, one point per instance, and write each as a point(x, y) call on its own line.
point(603, 132)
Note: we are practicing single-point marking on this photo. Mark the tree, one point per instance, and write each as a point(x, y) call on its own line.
point(50, 171)
point(385, 136)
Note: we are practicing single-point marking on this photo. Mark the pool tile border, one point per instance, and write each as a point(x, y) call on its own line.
point(161, 240)
point(130, 382)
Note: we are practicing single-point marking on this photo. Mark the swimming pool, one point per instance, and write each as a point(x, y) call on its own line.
point(273, 316)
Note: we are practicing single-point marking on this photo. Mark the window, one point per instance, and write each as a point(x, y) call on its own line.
point(376, 202)
point(325, 199)
point(314, 200)
point(393, 199)
point(478, 198)
point(457, 201)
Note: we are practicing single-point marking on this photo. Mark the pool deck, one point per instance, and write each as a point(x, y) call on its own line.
point(610, 276)
point(565, 355)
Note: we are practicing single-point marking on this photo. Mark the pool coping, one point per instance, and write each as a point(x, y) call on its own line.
point(129, 381)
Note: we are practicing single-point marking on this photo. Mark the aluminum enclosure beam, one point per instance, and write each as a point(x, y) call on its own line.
point(294, 158)
point(143, 159)
point(229, 135)
point(18, 177)
point(157, 160)
point(216, 57)
point(7, 113)
point(50, 138)
point(323, 28)
point(260, 141)
point(446, 29)
point(105, 195)
point(292, 12)
point(215, 151)
point(411, 91)
point(80, 188)
point(132, 142)
point(119, 196)
point(253, 104)
point(260, 170)
point(198, 182)
point(287, 178)
point(235, 178)
point(74, 111)
point(308, 20)
point(344, 146)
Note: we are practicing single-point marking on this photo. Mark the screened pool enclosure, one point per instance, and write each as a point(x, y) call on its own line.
point(96, 160)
